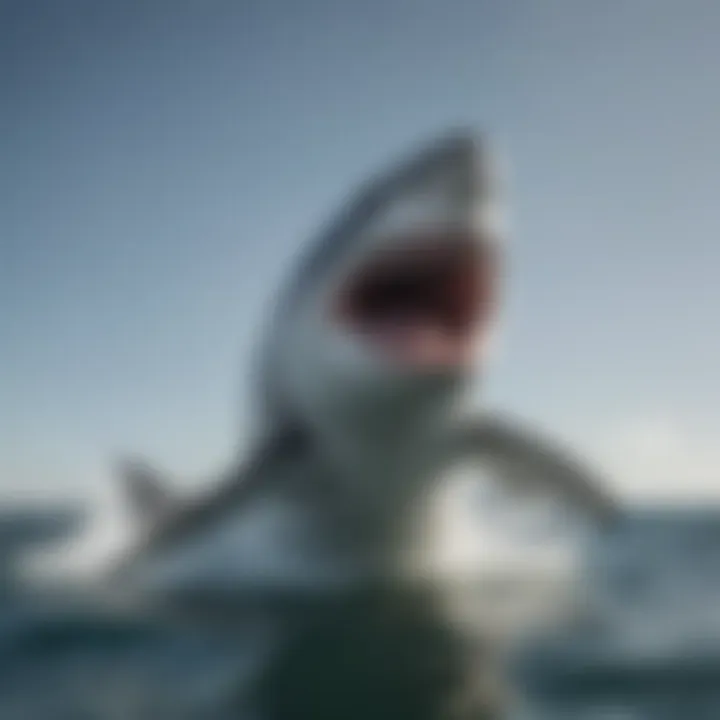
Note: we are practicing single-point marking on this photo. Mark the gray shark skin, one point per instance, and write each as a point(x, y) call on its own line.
point(457, 168)
point(325, 388)
point(538, 462)
point(148, 496)
point(153, 499)
point(304, 540)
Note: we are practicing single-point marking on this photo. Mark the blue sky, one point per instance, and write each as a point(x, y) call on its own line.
point(163, 162)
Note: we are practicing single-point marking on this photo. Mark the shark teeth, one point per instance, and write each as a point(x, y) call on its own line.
point(423, 303)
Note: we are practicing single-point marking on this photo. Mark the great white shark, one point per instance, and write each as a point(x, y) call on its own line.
point(362, 392)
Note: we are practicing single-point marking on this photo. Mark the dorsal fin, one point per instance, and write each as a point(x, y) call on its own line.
point(147, 493)
point(236, 488)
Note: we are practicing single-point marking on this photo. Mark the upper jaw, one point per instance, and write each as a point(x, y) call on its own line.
point(450, 184)
point(428, 225)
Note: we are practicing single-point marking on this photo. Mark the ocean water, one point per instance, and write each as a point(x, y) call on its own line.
point(76, 663)
point(647, 646)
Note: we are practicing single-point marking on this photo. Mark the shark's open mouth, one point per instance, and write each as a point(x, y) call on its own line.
point(426, 302)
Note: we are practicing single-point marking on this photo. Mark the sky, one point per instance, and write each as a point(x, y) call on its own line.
point(162, 163)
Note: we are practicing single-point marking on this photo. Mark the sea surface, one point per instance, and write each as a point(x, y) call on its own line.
point(647, 646)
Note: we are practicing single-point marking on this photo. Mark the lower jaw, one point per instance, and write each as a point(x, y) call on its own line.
point(428, 356)
point(393, 403)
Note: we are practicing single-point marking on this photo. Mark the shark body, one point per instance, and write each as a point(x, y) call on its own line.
point(363, 373)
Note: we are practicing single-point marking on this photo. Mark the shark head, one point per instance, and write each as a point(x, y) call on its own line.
point(387, 317)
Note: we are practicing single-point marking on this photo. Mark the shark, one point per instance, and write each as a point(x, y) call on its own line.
point(362, 399)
